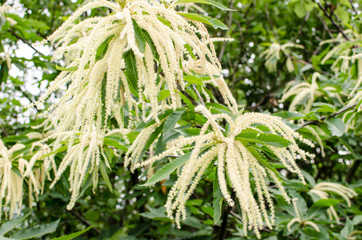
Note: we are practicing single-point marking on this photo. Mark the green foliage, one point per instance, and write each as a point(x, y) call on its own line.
point(129, 205)
point(28, 232)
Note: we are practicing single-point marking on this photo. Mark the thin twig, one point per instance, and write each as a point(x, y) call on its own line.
point(302, 26)
point(198, 94)
point(354, 10)
point(330, 17)
point(316, 122)
point(224, 223)
point(83, 220)
point(188, 96)
point(236, 215)
point(325, 26)
point(353, 169)
point(270, 21)
point(26, 42)
point(308, 63)
point(229, 25)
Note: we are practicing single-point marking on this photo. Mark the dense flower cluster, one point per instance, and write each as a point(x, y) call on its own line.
point(138, 60)
point(120, 63)
point(345, 52)
point(323, 189)
point(127, 58)
point(300, 219)
point(15, 170)
point(234, 159)
point(306, 93)
point(273, 54)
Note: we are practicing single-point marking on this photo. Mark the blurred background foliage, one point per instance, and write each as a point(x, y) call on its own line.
point(277, 45)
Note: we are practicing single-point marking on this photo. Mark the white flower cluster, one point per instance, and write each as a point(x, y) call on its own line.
point(128, 36)
point(306, 93)
point(83, 156)
point(323, 189)
point(345, 52)
point(272, 55)
point(300, 219)
point(121, 62)
point(14, 170)
point(234, 160)
point(301, 91)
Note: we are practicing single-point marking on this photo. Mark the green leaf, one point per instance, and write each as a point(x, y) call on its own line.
point(217, 200)
point(345, 141)
point(216, 108)
point(10, 225)
point(148, 39)
point(315, 212)
point(163, 94)
point(309, 178)
point(36, 24)
point(15, 139)
point(4, 73)
point(342, 14)
point(209, 2)
point(325, 203)
point(160, 116)
point(156, 214)
point(251, 135)
point(102, 49)
point(164, 21)
point(323, 107)
point(357, 220)
point(151, 139)
point(336, 126)
point(37, 231)
point(262, 160)
point(169, 127)
point(164, 172)
point(58, 150)
point(189, 132)
point(131, 71)
point(141, 41)
point(104, 174)
point(203, 19)
point(73, 235)
point(192, 222)
point(109, 141)
point(289, 115)
point(309, 6)
point(348, 228)
point(69, 69)
point(208, 210)
point(300, 10)
point(347, 3)
point(190, 51)
point(193, 79)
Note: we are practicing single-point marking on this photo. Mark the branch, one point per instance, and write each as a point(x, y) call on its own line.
point(325, 26)
point(352, 170)
point(224, 223)
point(316, 122)
point(305, 19)
point(329, 16)
point(188, 96)
point(308, 63)
point(198, 94)
point(229, 25)
point(236, 215)
point(83, 220)
point(354, 10)
point(25, 41)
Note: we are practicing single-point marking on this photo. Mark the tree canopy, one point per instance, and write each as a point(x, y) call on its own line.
point(188, 119)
